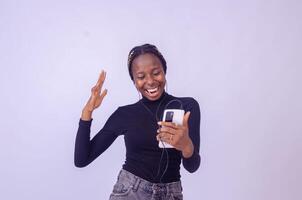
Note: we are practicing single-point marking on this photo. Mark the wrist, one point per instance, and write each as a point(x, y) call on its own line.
point(188, 150)
point(86, 114)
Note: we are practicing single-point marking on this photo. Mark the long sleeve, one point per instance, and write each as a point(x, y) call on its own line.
point(87, 150)
point(192, 164)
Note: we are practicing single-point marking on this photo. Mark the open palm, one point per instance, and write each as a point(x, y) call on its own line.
point(97, 96)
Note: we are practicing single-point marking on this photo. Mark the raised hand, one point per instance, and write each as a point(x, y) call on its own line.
point(96, 97)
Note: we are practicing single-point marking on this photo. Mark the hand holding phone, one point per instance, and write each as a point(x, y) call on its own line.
point(175, 116)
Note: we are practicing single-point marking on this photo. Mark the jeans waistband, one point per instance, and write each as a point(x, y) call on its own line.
point(137, 182)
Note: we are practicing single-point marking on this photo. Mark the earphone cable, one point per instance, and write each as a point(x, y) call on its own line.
point(164, 149)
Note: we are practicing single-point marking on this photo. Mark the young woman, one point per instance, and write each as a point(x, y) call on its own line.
point(149, 172)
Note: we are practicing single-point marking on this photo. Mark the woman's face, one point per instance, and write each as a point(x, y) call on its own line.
point(148, 75)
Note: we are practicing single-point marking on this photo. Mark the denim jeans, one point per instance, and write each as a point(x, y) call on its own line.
point(129, 186)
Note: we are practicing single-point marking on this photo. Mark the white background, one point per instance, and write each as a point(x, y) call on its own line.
point(241, 60)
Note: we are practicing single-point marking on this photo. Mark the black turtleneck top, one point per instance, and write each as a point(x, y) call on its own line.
point(138, 124)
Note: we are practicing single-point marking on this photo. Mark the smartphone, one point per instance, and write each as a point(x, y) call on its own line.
point(172, 115)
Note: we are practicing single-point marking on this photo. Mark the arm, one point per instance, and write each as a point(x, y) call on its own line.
point(185, 137)
point(192, 163)
point(87, 150)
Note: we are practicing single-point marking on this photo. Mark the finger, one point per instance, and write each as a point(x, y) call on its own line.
point(104, 93)
point(158, 137)
point(167, 130)
point(93, 89)
point(186, 119)
point(96, 91)
point(165, 136)
point(92, 100)
point(101, 79)
point(168, 124)
point(100, 98)
point(101, 82)
point(168, 138)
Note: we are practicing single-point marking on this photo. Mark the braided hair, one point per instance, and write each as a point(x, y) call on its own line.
point(143, 49)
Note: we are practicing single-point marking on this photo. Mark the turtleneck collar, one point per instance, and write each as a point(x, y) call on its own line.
point(145, 100)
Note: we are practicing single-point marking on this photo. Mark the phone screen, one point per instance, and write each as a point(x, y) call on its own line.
point(169, 116)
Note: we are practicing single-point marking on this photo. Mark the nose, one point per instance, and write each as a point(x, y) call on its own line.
point(150, 80)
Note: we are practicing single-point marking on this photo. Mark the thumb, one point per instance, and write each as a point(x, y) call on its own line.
point(186, 119)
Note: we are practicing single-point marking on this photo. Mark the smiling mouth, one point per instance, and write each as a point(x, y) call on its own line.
point(152, 92)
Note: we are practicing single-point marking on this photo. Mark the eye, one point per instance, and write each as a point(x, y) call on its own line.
point(140, 77)
point(156, 73)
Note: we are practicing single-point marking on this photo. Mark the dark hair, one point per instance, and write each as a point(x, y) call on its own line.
point(143, 49)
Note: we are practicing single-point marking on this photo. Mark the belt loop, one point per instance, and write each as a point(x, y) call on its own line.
point(136, 184)
point(168, 189)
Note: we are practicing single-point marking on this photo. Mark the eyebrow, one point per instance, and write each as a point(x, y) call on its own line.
point(155, 68)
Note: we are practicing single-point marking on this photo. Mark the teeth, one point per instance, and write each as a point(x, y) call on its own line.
point(152, 90)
